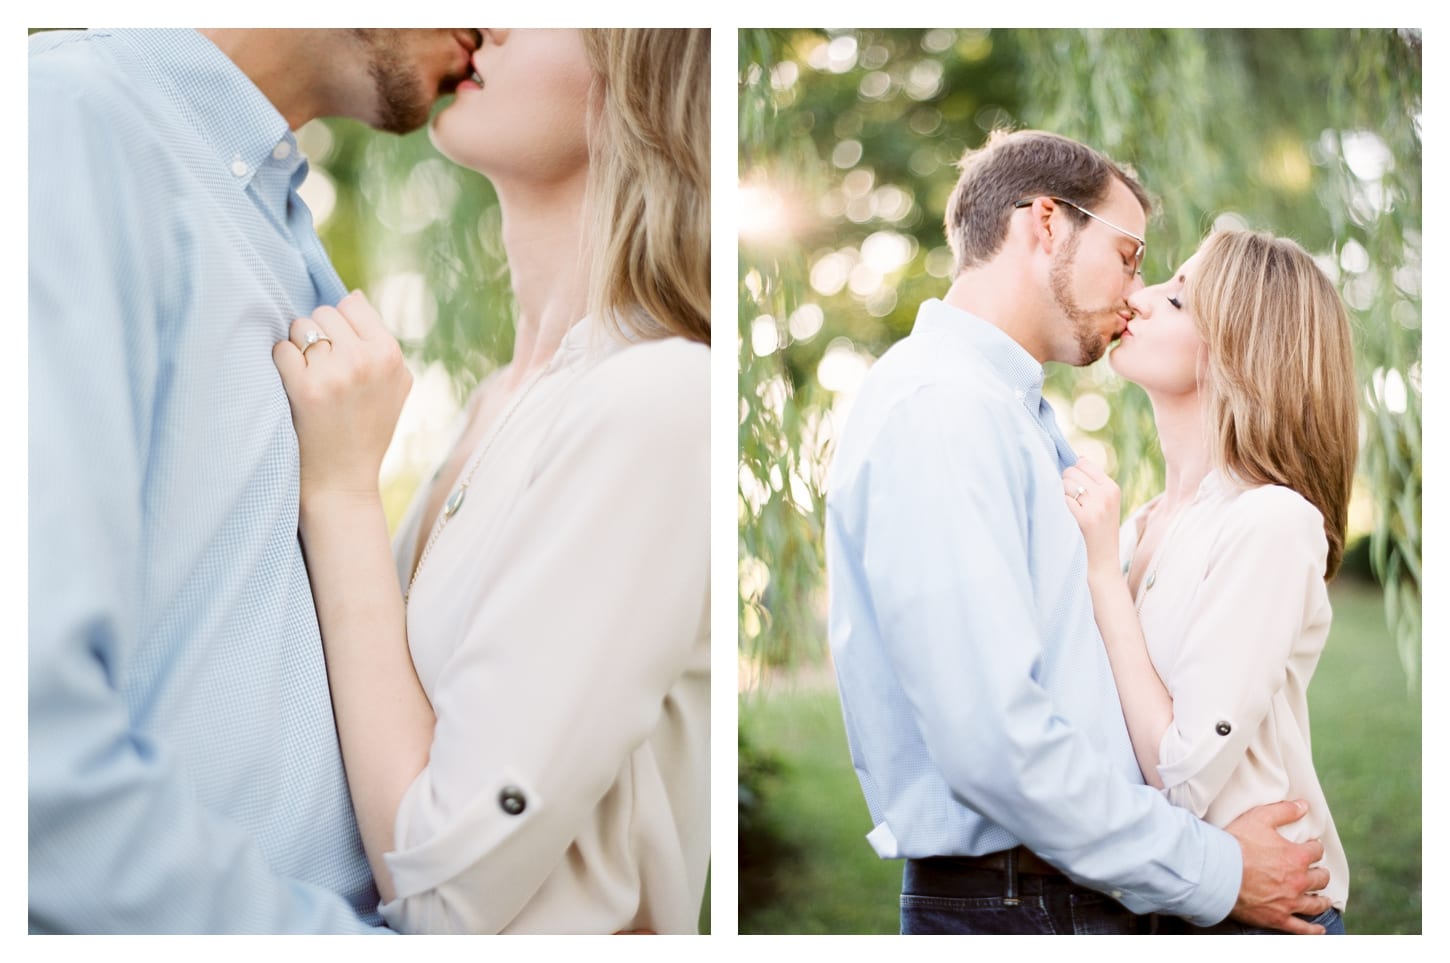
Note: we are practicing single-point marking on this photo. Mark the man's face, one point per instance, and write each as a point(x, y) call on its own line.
point(410, 69)
point(1093, 273)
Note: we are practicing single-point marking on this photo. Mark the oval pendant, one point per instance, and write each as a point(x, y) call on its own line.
point(450, 507)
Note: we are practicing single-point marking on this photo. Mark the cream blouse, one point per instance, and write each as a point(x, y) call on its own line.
point(1235, 614)
point(560, 627)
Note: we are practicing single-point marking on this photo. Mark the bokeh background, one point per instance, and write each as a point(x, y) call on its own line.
point(848, 146)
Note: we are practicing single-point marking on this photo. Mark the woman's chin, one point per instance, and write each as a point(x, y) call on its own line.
point(1116, 364)
point(447, 133)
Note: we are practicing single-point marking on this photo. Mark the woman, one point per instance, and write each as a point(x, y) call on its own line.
point(1213, 608)
point(525, 724)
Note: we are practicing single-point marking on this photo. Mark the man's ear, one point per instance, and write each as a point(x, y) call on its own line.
point(1045, 231)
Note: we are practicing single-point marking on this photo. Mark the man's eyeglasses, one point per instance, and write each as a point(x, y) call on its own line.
point(1137, 261)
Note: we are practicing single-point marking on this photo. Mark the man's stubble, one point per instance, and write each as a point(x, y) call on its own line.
point(1091, 344)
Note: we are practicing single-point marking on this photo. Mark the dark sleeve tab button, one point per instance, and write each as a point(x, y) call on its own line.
point(511, 800)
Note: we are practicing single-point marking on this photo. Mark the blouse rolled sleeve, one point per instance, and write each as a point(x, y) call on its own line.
point(590, 610)
point(1235, 659)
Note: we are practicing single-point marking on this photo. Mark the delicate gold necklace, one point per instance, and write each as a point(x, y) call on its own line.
point(1156, 561)
point(455, 500)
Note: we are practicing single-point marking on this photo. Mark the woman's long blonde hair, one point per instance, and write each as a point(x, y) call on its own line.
point(649, 181)
point(1280, 392)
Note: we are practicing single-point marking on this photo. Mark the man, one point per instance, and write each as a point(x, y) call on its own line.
point(979, 705)
point(184, 767)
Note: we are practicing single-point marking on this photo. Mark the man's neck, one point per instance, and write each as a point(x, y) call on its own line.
point(281, 63)
point(994, 293)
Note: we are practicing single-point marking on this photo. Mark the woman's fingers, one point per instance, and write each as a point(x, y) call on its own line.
point(313, 336)
point(364, 320)
point(1091, 470)
point(290, 363)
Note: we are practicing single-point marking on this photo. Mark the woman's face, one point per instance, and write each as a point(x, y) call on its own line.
point(523, 113)
point(1161, 348)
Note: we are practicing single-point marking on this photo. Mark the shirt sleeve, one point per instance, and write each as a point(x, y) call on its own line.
point(1241, 636)
point(952, 587)
point(117, 839)
point(590, 610)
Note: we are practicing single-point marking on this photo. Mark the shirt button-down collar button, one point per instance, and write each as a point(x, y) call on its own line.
point(282, 150)
point(1223, 728)
point(511, 800)
point(239, 167)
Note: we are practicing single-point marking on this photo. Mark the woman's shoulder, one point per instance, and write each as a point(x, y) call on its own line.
point(1270, 504)
point(1272, 515)
point(664, 381)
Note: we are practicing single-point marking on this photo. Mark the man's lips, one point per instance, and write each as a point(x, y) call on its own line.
point(468, 41)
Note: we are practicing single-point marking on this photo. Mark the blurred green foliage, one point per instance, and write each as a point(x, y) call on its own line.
point(848, 144)
point(805, 865)
point(401, 208)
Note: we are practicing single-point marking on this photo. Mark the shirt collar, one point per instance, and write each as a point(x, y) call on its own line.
point(1018, 369)
point(229, 111)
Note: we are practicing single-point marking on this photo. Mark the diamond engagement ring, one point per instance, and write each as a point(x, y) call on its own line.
point(1077, 495)
point(311, 338)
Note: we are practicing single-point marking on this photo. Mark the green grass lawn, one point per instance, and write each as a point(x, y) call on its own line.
point(826, 879)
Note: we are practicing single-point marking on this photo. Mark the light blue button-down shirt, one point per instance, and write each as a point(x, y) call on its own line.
point(979, 703)
point(184, 766)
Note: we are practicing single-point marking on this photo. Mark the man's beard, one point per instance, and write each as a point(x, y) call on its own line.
point(402, 104)
point(1091, 344)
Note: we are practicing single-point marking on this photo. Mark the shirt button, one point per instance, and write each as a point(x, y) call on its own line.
point(282, 150)
point(511, 800)
point(239, 167)
point(1223, 728)
point(455, 502)
point(1021, 395)
point(1116, 894)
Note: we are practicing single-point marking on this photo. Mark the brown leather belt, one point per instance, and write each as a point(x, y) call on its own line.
point(1027, 862)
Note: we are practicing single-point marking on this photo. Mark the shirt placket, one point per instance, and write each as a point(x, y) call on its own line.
point(276, 185)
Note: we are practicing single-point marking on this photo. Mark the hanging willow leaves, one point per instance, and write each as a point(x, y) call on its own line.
point(848, 145)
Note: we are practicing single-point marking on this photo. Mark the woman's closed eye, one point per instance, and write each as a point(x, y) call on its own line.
point(1173, 300)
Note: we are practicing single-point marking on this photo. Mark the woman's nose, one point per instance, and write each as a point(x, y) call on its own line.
point(1140, 302)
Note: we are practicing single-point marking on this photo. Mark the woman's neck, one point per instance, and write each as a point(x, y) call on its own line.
point(1183, 439)
point(543, 236)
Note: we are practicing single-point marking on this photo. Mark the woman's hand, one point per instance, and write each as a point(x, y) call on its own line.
point(1094, 500)
point(346, 390)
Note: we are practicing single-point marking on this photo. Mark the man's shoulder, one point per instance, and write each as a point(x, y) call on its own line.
point(917, 372)
point(917, 394)
point(92, 74)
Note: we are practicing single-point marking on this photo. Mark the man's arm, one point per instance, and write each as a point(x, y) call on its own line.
point(118, 841)
point(952, 588)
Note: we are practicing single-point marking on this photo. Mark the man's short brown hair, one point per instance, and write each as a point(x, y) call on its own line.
point(1012, 166)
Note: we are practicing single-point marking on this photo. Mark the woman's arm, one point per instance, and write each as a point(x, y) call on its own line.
point(1147, 705)
point(593, 629)
point(345, 399)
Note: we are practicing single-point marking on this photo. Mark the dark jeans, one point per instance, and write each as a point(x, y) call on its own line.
point(941, 895)
point(1330, 919)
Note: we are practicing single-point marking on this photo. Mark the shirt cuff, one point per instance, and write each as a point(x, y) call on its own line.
point(1218, 888)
